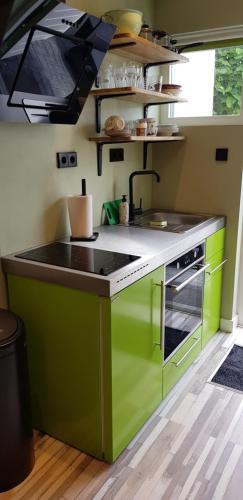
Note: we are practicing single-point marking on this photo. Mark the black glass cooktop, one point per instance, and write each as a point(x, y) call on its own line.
point(80, 258)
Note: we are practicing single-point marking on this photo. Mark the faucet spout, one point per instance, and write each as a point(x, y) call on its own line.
point(131, 177)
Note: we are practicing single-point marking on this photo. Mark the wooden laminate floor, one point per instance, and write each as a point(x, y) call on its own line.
point(191, 448)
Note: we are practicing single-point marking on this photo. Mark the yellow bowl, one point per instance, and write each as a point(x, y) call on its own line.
point(125, 20)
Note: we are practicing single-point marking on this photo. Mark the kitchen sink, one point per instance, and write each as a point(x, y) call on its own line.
point(176, 222)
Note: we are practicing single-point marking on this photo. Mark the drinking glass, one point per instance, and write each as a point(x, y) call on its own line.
point(154, 83)
point(134, 73)
point(131, 127)
point(140, 78)
point(120, 76)
point(106, 77)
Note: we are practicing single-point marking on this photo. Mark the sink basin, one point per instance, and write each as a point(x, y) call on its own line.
point(176, 222)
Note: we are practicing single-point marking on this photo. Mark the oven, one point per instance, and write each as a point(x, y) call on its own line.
point(182, 299)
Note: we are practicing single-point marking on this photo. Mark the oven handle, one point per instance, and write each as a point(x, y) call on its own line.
point(178, 288)
point(162, 320)
point(178, 363)
point(186, 269)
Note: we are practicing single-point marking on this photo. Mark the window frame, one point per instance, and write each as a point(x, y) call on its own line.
point(214, 35)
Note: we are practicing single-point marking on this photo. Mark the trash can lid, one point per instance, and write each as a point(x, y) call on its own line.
point(8, 327)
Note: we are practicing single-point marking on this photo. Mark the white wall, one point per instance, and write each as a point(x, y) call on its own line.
point(32, 190)
point(192, 181)
point(190, 15)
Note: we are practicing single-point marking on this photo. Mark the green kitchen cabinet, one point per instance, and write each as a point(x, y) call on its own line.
point(136, 368)
point(95, 362)
point(213, 285)
point(63, 345)
point(215, 243)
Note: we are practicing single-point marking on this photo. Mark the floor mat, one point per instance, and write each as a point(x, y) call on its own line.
point(230, 373)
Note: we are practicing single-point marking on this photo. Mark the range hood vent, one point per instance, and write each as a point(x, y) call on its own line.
point(49, 59)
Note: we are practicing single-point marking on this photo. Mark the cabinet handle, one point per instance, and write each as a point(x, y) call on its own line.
point(176, 288)
point(162, 320)
point(217, 267)
point(178, 363)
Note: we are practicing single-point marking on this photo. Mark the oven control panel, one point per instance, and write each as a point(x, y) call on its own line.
point(186, 260)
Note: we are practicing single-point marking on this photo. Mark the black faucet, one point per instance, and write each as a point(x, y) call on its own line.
point(131, 176)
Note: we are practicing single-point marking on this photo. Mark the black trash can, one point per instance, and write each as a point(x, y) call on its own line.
point(16, 437)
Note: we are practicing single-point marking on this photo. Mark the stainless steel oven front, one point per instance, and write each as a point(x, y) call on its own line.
point(182, 299)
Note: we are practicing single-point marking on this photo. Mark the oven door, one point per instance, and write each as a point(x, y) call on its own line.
point(183, 307)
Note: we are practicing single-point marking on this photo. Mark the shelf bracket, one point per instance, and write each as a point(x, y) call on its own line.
point(99, 146)
point(147, 106)
point(98, 101)
point(145, 153)
point(98, 114)
point(152, 65)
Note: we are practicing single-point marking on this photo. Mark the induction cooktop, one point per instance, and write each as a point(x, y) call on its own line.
point(89, 260)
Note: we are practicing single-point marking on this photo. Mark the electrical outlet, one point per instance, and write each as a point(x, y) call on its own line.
point(66, 160)
point(72, 159)
point(117, 154)
point(62, 160)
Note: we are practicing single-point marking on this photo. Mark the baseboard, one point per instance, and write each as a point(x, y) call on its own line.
point(229, 325)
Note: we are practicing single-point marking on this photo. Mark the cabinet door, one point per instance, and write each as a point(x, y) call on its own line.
point(62, 330)
point(180, 362)
point(211, 305)
point(215, 243)
point(136, 357)
point(213, 285)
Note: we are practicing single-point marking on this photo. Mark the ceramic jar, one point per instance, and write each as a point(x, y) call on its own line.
point(151, 126)
point(125, 20)
point(141, 127)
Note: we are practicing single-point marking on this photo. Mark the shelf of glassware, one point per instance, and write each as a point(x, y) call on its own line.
point(137, 95)
point(142, 50)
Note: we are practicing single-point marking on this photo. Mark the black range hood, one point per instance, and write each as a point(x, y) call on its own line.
point(50, 54)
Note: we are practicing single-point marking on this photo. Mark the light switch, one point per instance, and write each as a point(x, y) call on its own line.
point(221, 154)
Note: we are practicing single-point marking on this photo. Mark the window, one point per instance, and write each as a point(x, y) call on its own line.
point(211, 81)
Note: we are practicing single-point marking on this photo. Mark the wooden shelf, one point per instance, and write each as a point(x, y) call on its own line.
point(136, 138)
point(137, 95)
point(102, 140)
point(143, 51)
point(149, 54)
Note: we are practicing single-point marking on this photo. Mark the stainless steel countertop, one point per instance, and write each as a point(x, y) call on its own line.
point(154, 247)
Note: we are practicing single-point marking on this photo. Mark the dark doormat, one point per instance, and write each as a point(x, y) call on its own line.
point(230, 373)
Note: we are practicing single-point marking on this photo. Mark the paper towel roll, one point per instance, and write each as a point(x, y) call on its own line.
point(80, 210)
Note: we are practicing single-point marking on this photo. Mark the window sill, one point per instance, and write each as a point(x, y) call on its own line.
point(206, 120)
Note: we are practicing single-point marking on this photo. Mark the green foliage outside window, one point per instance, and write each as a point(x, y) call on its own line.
point(228, 81)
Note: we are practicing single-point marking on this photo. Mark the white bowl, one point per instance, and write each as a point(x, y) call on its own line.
point(167, 130)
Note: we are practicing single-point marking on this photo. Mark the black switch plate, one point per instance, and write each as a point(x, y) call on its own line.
point(66, 160)
point(117, 154)
point(221, 154)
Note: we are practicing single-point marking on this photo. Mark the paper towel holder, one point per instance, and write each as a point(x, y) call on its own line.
point(95, 234)
point(80, 238)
